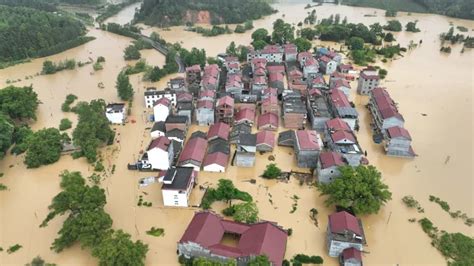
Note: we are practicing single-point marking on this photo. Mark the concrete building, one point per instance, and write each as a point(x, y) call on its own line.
point(160, 153)
point(327, 167)
point(116, 113)
point(327, 65)
point(342, 108)
point(205, 112)
point(225, 109)
point(318, 110)
point(307, 147)
point(161, 109)
point(291, 52)
point(340, 138)
point(245, 151)
point(177, 186)
point(265, 141)
point(152, 95)
point(384, 111)
point(368, 80)
point(344, 231)
point(268, 121)
point(216, 162)
point(397, 142)
point(272, 53)
point(193, 79)
point(294, 110)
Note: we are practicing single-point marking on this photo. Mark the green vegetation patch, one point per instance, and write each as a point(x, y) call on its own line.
point(14, 248)
point(225, 191)
point(156, 232)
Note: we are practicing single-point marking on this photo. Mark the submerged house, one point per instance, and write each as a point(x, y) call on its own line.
point(384, 111)
point(268, 121)
point(265, 141)
point(216, 162)
point(161, 109)
point(158, 130)
point(205, 234)
point(307, 147)
point(225, 109)
point(340, 138)
point(193, 153)
point(116, 113)
point(397, 142)
point(368, 80)
point(238, 130)
point(177, 186)
point(327, 167)
point(219, 130)
point(205, 112)
point(344, 231)
point(342, 108)
point(160, 153)
point(245, 151)
point(294, 111)
point(351, 257)
point(318, 110)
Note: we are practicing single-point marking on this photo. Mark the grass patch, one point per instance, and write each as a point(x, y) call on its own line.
point(14, 248)
point(469, 221)
point(156, 232)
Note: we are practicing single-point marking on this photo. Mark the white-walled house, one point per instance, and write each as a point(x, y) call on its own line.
point(177, 186)
point(160, 153)
point(216, 162)
point(116, 113)
point(152, 95)
point(158, 130)
point(162, 109)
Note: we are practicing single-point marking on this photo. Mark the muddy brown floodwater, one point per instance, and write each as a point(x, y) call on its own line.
point(422, 82)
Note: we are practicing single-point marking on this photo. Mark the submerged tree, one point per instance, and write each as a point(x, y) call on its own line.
point(44, 147)
point(124, 88)
point(19, 102)
point(359, 188)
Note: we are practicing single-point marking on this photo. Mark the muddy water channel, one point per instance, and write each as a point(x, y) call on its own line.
point(422, 82)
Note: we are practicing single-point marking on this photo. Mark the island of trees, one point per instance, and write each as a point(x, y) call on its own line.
point(164, 13)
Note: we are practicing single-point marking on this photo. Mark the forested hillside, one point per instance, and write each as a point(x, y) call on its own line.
point(177, 12)
point(453, 8)
point(26, 33)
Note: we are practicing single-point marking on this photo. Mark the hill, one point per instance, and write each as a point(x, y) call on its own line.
point(452, 8)
point(28, 33)
point(164, 13)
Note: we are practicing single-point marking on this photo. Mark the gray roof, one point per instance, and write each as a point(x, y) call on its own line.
point(176, 133)
point(160, 126)
point(286, 138)
point(347, 112)
point(185, 106)
point(177, 119)
point(319, 107)
point(182, 176)
point(218, 145)
point(247, 139)
point(116, 107)
point(198, 134)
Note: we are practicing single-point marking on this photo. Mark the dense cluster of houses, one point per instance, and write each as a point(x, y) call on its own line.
point(242, 104)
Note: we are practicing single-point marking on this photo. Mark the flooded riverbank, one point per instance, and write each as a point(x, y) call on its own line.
point(423, 81)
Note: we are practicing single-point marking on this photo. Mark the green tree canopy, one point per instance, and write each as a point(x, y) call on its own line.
point(93, 128)
point(272, 171)
point(44, 147)
point(131, 53)
point(19, 102)
point(302, 44)
point(118, 249)
point(124, 88)
point(6, 134)
point(246, 212)
point(411, 26)
point(389, 37)
point(260, 34)
point(359, 188)
point(308, 33)
point(282, 32)
point(393, 25)
point(261, 260)
point(356, 43)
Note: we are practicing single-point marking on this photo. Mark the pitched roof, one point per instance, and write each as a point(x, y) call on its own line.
point(303, 55)
point(226, 100)
point(245, 114)
point(398, 132)
point(270, 91)
point(385, 104)
point(163, 101)
point(342, 221)
point(159, 126)
point(207, 229)
point(330, 159)
point(325, 59)
point(268, 119)
point(290, 48)
point(339, 99)
point(184, 97)
point(220, 130)
point(337, 124)
point(161, 143)
point(342, 135)
point(351, 253)
point(176, 119)
point(266, 137)
point(276, 69)
point(218, 158)
point(307, 140)
point(341, 83)
point(194, 68)
point(194, 149)
point(369, 74)
point(208, 104)
point(247, 139)
point(207, 93)
point(275, 76)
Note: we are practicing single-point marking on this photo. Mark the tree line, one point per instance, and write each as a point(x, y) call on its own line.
point(164, 13)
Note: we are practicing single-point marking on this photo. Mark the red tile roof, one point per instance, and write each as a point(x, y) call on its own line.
point(220, 130)
point(337, 124)
point(346, 67)
point(207, 93)
point(276, 69)
point(295, 73)
point(270, 91)
point(260, 72)
point(194, 68)
point(304, 55)
point(182, 96)
point(369, 74)
point(398, 132)
point(218, 158)
point(266, 137)
point(343, 135)
point(226, 100)
point(259, 61)
point(207, 229)
point(260, 80)
point(325, 59)
point(319, 80)
point(234, 80)
point(194, 149)
point(245, 114)
point(211, 70)
point(330, 159)
point(352, 253)
point(340, 222)
point(163, 101)
point(268, 119)
point(341, 83)
point(310, 62)
point(271, 49)
point(270, 100)
point(307, 140)
point(384, 103)
point(290, 48)
point(161, 143)
point(314, 92)
point(339, 99)
point(275, 76)
point(208, 104)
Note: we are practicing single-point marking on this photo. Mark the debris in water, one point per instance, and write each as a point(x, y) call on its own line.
point(423, 114)
point(447, 159)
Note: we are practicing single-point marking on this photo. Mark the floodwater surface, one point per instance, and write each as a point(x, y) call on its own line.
point(433, 91)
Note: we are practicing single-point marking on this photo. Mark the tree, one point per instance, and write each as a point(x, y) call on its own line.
point(260, 35)
point(21, 137)
point(19, 102)
point(48, 67)
point(38, 261)
point(389, 37)
point(302, 44)
point(243, 53)
point(356, 43)
point(272, 171)
point(155, 74)
point(376, 29)
point(131, 53)
point(246, 212)
point(239, 29)
point(231, 49)
point(93, 128)
point(118, 249)
point(261, 260)
point(202, 261)
point(411, 26)
point(359, 188)
point(308, 33)
point(259, 45)
point(193, 57)
point(282, 32)
point(124, 88)
point(390, 13)
point(393, 25)
point(65, 124)
point(44, 147)
point(6, 134)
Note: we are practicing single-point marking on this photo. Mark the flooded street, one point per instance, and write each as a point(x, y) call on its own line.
point(424, 81)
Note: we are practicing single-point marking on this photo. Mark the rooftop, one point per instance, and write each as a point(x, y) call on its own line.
point(266, 137)
point(194, 149)
point(176, 119)
point(161, 143)
point(178, 178)
point(220, 130)
point(159, 126)
point(342, 222)
point(330, 159)
point(307, 140)
point(385, 104)
point(218, 158)
point(398, 132)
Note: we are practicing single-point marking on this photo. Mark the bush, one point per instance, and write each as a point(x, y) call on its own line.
point(100, 59)
point(156, 232)
point(272, 171)
point(229, 211)
point(131, 53)
point(99, 167)
point(44, 148)
point(14, 248)
point(66, 106)
point(97, 66)
point(65, 124)
point(302, 258)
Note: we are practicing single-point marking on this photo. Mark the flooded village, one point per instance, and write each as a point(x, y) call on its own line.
point(306, 112)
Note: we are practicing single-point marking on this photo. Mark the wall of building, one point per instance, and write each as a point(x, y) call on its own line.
point(174, 198)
